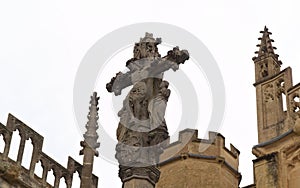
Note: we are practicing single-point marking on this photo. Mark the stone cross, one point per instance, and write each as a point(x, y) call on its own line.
point(142, 131)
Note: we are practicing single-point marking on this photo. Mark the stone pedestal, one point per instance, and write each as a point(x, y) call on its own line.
point(138, 183)
point(139, 177)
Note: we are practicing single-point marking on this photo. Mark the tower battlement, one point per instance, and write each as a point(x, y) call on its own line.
point(189, 145)
point(201, 157)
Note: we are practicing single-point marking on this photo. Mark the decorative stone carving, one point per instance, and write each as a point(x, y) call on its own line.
point(295, 106)
point(280, 87)
point(264, 69)
point(269, 93)
point(142, 130)
point(127, 173)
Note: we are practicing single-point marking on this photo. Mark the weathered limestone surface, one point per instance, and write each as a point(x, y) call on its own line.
point(192, 162)
point(5, 184)
point(138, 183)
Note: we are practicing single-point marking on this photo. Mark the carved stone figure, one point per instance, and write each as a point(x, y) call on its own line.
point(142, 129)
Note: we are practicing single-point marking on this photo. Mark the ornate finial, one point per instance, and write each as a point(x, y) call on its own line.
point(266, 48)
point(145, 48)
point(149, 38)
point(91, 136)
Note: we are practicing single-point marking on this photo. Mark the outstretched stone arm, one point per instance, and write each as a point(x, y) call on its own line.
point(170, 61)
point(119, 82)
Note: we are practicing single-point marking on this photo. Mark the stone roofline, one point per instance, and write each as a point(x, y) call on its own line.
point(27, 177)
point(189, 145)
point(274, 76)
point(273, 140)
point(191, 135)
point(212, 150)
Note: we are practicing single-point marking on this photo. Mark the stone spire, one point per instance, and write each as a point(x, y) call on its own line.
point(90, 143)
point(266, 49)
point(266, 62)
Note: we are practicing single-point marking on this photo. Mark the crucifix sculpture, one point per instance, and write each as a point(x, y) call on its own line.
point(142, 131)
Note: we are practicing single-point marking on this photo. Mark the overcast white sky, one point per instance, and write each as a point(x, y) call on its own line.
point(43, 42)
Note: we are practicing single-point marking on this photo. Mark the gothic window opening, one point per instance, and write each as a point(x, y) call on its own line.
point(281, 93)
point(76, 180)
point(284, 102)
point(62, 183)
point(264, 70)
point(27, 154)
point(14, 146)
point(296, 99)
point(50, 177)
point(2, 143)
point(38, 171)
point(296, 104)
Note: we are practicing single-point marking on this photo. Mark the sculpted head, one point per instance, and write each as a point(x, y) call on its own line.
point(147, 47)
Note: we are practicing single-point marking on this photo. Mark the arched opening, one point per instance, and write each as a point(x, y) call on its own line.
point(2, 144)
point(27, 154)
point(296, 103)
point(76, 180)
point(38, 171)
point(62, 183)
point(14, 146)
point(283, 102)
point(50, 177)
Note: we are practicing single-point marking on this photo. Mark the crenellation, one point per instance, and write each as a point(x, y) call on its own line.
point(213, 146)
point(195, 153)
point(234, 150)
point(212, 136)
point(188, 134)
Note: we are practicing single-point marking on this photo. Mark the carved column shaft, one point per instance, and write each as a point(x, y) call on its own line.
point(21, 150)
point(34, 159)
point(46, 168)
point(7, 140)
point(57, 180)
point(90, 144)
point(88, 160)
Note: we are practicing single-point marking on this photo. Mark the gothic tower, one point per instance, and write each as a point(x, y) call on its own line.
point(271, 88)
point(278, 152)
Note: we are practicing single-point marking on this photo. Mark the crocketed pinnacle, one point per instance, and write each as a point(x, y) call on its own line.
point(91, 136)
point(266, 49)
